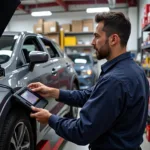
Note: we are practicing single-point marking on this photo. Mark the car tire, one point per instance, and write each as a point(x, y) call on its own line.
point(17, 133)
point(73, 113)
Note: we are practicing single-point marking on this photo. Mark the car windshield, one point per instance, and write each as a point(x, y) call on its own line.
point(7, 43)
point(80, 59)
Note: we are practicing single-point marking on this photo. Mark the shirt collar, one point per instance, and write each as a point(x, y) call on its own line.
point(105, 67)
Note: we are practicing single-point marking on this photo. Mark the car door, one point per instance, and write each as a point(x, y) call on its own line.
point(41, 73)
point(65, 72)
point(57, 67)
point(56, 62)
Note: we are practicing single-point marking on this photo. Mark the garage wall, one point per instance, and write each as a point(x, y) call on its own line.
point(26, 22)
point(22, 23)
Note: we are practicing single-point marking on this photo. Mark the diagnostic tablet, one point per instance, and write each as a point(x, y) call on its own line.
point(29, 98)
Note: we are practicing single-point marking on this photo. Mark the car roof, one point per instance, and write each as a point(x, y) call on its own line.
point(18, 33)
point(9, 33)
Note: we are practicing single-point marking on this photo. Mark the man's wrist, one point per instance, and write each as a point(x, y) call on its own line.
point(54, 93)
point(48, 117)
point(53, 120)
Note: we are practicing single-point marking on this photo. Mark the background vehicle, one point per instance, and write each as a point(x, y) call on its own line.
point(86, 69)
point(23, 57)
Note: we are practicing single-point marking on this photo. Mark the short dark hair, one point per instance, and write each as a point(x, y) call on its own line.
point(115, 22)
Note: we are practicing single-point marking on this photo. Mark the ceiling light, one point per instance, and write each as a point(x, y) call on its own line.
point(41, 13)
point(112, 3)
point(97, 10)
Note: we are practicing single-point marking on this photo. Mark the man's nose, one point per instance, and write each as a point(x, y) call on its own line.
point(93, 42)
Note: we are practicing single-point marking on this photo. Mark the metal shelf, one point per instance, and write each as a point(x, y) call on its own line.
point(79, 33)
point(147, 28)
point(52, 33)
point(79, 46)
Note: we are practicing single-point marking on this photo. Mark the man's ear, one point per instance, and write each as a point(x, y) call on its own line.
point(114, 39)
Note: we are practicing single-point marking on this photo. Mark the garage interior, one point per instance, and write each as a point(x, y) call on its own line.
point(70, 23)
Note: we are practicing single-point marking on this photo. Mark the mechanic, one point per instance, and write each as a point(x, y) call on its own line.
point(114, 111)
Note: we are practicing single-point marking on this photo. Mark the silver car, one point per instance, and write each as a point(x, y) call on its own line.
point(23, 59)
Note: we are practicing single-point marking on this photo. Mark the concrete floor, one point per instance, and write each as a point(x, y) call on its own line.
point(71, 146)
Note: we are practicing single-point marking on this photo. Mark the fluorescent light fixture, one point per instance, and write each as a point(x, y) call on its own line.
point(97, 10)
point(112, 3)
point(41, 13)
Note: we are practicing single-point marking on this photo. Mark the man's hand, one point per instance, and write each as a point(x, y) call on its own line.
point(44, 90)
point(41, 115)
point(40, 88)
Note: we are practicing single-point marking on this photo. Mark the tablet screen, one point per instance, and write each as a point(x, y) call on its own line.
point(27, 95)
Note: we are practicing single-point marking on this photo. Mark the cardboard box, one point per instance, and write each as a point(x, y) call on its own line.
point(40, 21)
point(54, 37)
point(66, 27)
point(50, 27)
point(77, 26)
point(38, 28)
point(70, 41)
point(88, 25)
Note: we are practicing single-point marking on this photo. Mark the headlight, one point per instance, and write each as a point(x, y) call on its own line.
point(86, 72)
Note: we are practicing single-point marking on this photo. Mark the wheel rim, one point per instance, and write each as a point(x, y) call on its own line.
point(20, 139)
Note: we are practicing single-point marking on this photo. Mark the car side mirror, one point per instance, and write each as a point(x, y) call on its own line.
point(37, 57)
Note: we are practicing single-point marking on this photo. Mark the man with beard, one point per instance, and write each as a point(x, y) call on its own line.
point(114, 111)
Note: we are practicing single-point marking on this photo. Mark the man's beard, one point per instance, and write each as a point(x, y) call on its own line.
point(103, 52)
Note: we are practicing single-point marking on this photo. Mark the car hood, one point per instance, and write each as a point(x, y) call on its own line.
point(7, 8)
point(82, 66)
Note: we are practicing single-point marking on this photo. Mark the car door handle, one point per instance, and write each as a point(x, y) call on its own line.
point(68, 65)
point(54, 71)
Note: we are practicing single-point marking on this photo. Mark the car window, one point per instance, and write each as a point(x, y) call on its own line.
point(6, 47)
point(51, 49)
point(57, 47)
point(29, 45)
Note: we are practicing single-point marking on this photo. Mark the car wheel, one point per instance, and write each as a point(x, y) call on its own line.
point(73, 113)
point(17, 133)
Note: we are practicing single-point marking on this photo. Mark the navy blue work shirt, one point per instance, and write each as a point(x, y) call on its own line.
point(114, 111)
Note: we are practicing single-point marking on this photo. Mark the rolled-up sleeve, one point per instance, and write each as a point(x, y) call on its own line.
point(75, 98)
point(97, 115)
